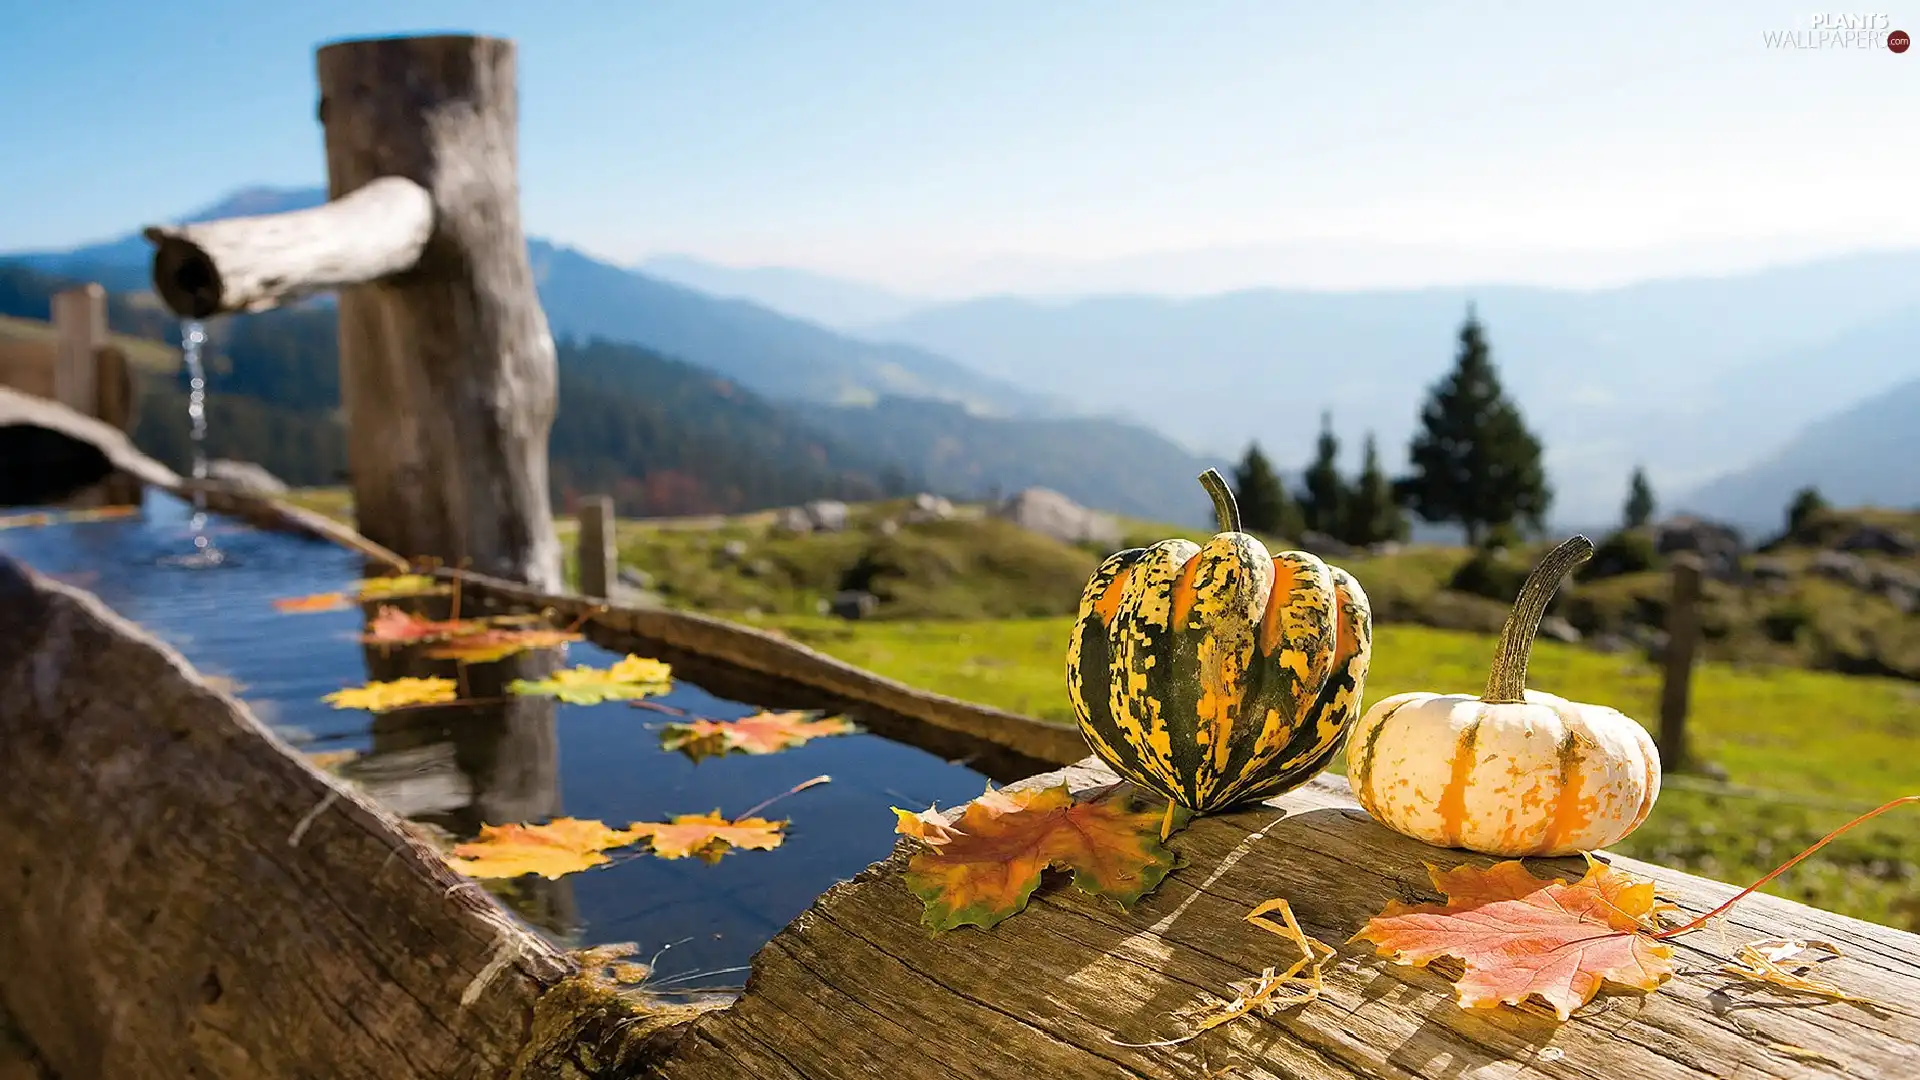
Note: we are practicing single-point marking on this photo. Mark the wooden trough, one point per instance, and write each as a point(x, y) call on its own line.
point(190, 898)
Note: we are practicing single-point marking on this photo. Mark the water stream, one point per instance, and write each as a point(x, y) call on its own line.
point(193, 338)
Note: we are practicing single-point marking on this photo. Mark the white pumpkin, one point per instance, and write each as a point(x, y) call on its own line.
point(1514, 771)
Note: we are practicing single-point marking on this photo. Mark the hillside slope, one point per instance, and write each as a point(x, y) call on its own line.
point(1866, 453)
point(1100, 463)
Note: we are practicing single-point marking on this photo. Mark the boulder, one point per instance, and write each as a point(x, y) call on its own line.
point(928, 507)
point(1878, 539)
point(1718, 546)
point(1050, 513)
point(853, 604)
point(826, 515)
point(1326, 546)
point(793, 520)
point(1555, 628)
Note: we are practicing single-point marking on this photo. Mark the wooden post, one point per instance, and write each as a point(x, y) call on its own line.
point(90, 377)
point(447, 368)
point(599, 558)
point(1683, 637)
point(80, 321)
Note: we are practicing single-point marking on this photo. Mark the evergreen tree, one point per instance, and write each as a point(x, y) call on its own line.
point(1324, 507)
point(1373, 515)
point(1264, 504)
point(1806, 503)
point(1474, 461)
point(1640, 504)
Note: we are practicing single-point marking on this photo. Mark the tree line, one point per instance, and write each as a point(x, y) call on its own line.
point(1472, 462)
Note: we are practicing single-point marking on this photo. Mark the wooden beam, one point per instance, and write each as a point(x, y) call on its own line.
point(256, 263)
point(856, 987)
point(448, 373)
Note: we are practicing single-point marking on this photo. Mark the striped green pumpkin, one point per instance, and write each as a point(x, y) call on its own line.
point(1218, 674)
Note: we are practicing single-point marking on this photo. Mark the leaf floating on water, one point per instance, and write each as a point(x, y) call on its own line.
point(397, 694)
point(489, 645)
point(634, 677)
point(982, 868)
point(1273, 989)
point(553, 850)
point(709, 836)
point(300, 605)
point(1557, 941)
point(399, 587)
point(1785, 963)
point(761, 733)
point(392, 626)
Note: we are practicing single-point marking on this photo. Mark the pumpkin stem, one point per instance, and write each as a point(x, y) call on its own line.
point(1224, 506)
point(1507, 682)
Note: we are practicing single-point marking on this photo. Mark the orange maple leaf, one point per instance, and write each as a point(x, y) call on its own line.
point(708, 836)
point(981, 869)
point(560, 847)
point(761, 733)
point(392, 626)
point(1519, 935)
point(326, 601)
point(486, 646)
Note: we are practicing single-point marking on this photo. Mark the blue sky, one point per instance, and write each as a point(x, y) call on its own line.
point(948, 147)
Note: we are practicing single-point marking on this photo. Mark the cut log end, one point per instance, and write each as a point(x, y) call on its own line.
point(184, 275)
point(252, 264)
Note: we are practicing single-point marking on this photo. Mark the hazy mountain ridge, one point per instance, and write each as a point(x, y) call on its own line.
point(1685, 376)
point(1868, 452)
point(835, 302)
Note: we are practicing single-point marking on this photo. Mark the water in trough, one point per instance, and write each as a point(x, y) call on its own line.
point(524, 759)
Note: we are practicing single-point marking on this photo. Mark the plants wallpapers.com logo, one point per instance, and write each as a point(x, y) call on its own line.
point(1842, 30)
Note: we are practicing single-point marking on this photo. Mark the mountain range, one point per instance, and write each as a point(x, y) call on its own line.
point(1698, 379)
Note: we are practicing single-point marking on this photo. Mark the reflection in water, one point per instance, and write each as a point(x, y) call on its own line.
point(507, 759)
point(457, 767)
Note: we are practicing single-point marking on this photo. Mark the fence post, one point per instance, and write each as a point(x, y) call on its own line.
point(90, 377)
point(598, 555)
point(80, 323)
point(1683, 638)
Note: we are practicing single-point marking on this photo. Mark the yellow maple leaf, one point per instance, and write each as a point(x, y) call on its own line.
point(396, 694)
point(560, 847)
point(400, 585)
point(709, 836)
point(634, 677)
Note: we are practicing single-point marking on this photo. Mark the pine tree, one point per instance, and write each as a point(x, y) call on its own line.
point(1806, 503)
point(1373, 515)
point(1264, 505)
point(1640, 504)
point(1324, 507)
point(1474, 461)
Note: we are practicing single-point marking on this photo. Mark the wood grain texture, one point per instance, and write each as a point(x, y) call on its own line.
point(856, 988)
point(256, 263)
point(187, 897)
point(448, 372)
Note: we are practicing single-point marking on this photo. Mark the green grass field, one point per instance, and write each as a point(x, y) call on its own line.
point(1822, 746)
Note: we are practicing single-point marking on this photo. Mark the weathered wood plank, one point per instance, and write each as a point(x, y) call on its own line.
point(187, 897)
point(856, 987)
